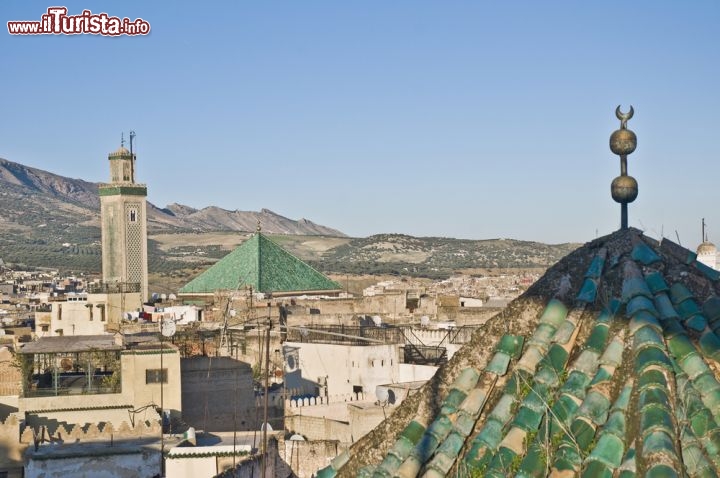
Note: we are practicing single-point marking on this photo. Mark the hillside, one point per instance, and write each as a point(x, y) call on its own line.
point(53, 221)
point(50, 220)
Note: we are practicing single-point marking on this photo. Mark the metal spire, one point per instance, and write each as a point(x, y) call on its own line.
point(624, 188)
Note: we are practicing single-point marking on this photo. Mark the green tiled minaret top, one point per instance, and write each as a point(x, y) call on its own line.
point(261, 263)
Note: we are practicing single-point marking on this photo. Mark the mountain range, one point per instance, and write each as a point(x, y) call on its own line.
point(25, 189)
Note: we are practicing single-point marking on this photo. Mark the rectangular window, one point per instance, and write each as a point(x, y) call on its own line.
point(156, 375)
point(44, 328)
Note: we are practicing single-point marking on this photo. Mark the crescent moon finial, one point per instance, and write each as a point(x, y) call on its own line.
point(624, 117)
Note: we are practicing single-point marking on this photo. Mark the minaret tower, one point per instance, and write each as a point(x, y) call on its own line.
point(123, 214)
point(706, 251)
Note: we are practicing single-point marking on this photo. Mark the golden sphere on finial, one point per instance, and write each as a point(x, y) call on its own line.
point(623, 141)
point(624, 189)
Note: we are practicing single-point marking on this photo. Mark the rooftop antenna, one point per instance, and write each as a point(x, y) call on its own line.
point(624, 188)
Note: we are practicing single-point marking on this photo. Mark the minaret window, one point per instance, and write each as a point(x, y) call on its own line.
point(132, 215)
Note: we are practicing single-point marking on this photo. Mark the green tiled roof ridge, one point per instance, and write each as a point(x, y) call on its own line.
point(263, 264)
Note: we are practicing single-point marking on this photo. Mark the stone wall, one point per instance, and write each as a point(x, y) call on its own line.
point(217, 393)
point(317, 428)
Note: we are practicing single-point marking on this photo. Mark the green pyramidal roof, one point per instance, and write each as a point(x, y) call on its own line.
point(264, 265)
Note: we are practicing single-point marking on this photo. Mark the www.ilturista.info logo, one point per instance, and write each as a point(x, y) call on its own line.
point(57, 22)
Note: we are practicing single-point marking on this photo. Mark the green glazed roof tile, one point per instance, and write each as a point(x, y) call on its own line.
point(388, 466)
point(527, 419)
point(564, 333)
point(554, 313)
point(687, 308)
point(679, 293)
point(693, 365)
point(534, 463)
point(623, 398)
point(556, 357)
point(596, 266)
point(588, 292)
point(665, 307)
point(651, 356)
point(595, 406)
point(638, 303)
point(710, 344)
point(511, 345)
point(608, 450)
point(425, 447)
point(584, 432)
point(603, 374)
point(402, 448)
point(696, 323)
point(651, 378)
point(643, 253)
point(598, 338)
point(655, 418)
point(647, 337)
point(587, 362)
point(264, 265)
point(413, 432)
point(680, 347)
point(658, 442)
point(452, 444)
point(633, 287)
point(542, 335)
point(501, 463)
point(653, 396)
point(616, 424)
point(563, 408)
point(596, 469)
point(656, 283)
point(576, 384)
point(467, 379)
point(464, 424)
point(499, 363)
point(440, 428)
point(661, 471)
point(546, 374)
point(474, 402)
point(613, 352)
point(711, 308)
point(327, 472)
point(491, 433)
point(641, 319)
point(706, 383)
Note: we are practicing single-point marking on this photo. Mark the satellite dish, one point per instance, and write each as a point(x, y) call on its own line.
point(297, 437)
point(172, 297)
point(154, 296)
point(167, 328)
point(66, 364)
point(303, 331)
point(163, 296)
point(381, 393)
point(266, 426)
point(233, 312)
point(377, 320)
point(424, 320)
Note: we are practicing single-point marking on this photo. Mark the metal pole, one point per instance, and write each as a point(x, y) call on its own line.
point(162, 411)
point(265, 406)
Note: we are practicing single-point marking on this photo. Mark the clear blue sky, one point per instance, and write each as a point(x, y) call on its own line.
point(466, 119)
